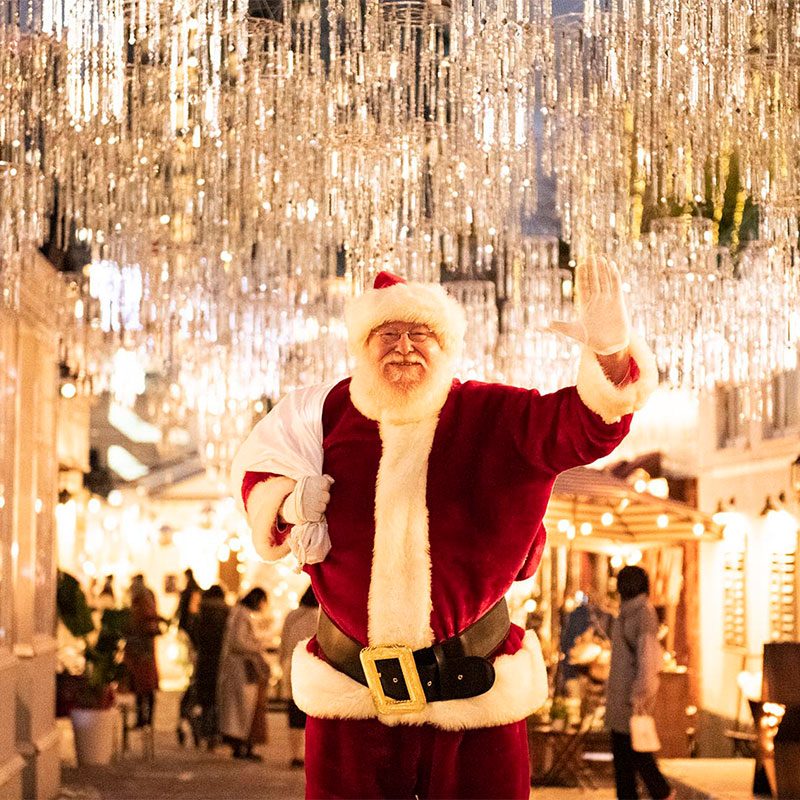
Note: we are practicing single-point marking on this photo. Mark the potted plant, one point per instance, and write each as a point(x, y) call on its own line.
point(88, 696)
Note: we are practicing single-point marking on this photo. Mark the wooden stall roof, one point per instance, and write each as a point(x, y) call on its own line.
point(584, 495)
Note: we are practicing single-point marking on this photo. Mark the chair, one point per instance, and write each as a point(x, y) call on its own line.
point(568, 763)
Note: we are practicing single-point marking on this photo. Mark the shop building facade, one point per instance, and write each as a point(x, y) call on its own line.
point(29, 743)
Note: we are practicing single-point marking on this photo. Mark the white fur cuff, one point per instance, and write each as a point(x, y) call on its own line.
point(263, 505)
point(612, 402)
point(519, 689)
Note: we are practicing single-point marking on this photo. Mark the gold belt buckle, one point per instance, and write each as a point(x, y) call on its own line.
point(388, 705)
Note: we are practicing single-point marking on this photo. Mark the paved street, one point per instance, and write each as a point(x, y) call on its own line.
point(184, 772)
point(178, 773)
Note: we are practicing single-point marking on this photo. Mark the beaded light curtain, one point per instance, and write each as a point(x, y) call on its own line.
point(238, 170)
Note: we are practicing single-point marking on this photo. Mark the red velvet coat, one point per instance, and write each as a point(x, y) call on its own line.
point(431, 521)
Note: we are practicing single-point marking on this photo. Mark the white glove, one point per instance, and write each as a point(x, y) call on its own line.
point(308, 500)
point(603, 325)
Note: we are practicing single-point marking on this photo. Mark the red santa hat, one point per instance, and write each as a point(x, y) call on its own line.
point(393, 299)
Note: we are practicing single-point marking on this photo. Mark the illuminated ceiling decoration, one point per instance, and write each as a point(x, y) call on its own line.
point(30, 116)
point(238, 170)
point(676, 152)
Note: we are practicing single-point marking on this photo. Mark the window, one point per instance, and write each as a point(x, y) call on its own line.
point(733, 614)
point(782, 617)
point(732, 417)
point(780, 410)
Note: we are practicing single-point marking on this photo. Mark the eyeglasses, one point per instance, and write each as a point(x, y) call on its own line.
point(393, 337)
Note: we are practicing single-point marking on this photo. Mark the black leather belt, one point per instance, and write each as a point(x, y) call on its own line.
point(398, 678)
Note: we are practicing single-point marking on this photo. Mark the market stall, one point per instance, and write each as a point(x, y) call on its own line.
point(596, 524)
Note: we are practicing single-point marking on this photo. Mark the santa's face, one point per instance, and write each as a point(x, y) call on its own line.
point(403, 353)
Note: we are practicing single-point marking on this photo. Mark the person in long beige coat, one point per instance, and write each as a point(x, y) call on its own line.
point(243, 677)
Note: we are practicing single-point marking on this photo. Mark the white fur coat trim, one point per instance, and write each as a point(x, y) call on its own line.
point(609, 401)
point(519, 689)
point(399, 604)
point(263, 505)
point(422, 303)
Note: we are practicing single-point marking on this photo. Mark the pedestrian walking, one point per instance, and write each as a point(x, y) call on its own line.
point(633, 683)
point(243, 679)
point(299, 626)
point(186, 614)
point(208, 633)
point(140, 650)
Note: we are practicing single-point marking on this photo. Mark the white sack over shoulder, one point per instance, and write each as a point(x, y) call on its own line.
point(288, 441)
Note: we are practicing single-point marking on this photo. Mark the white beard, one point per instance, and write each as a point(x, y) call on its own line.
point(379, 398)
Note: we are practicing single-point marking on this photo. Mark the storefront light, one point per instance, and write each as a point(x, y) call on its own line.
point(781, 530)
point(658, 487)
point(634, 557)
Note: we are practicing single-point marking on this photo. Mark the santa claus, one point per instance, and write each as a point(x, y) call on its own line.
point(414, 501)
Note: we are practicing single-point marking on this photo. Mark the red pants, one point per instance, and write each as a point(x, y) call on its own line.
point(365, 759)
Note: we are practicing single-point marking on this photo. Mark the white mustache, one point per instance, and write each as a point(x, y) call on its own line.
point(405, 362)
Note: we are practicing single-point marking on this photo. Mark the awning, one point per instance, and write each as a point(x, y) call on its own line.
point(592, 510)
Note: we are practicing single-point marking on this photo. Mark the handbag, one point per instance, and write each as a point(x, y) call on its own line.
point(256, 669)
point(644, 736)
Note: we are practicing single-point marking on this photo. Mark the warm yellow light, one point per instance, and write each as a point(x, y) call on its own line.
point(634, 557)
point(640, 485)
point(698, 529)
point(616, 561)
point(563, 525)
point(586, 528)
point(529, 605)
point(607, 518)
point(662, 521)
point(68, 390)
point(658, 487)
point(115, 497)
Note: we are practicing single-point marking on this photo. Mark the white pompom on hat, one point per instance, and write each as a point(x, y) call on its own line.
point(392, 299)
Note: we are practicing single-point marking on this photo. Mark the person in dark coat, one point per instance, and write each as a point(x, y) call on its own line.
point(185, 612)
point(299, 626)
point(208, 629)
point(140, 650)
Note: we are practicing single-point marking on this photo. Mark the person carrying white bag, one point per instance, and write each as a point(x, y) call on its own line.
point(631, 691)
